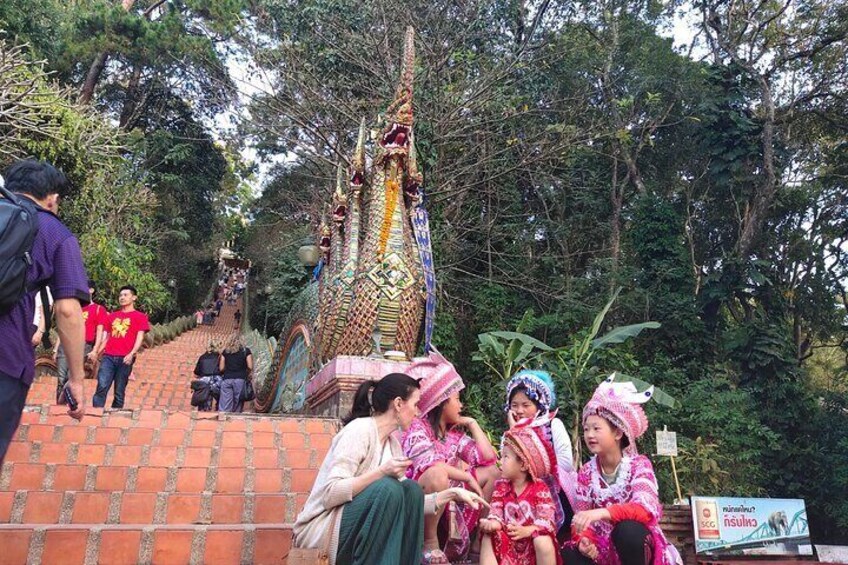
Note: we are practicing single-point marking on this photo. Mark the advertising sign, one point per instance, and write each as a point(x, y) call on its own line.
point(750, 526)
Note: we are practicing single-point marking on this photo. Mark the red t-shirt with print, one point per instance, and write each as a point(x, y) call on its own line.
point(123, 328)
point(94, 315)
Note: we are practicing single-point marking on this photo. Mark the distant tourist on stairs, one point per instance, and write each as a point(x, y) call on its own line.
point(362, 507)
point(208, 372)
point(55, 260)
point(124, 338)
point(96, 319)
point(236, 366)
point(237, 317)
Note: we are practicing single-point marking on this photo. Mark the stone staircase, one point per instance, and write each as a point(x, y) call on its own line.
point(162, 374)
point(157, 482)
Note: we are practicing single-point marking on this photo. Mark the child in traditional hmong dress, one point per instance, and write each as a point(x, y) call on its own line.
point(531, 394)
point(521, 527)
point(443, 455)
point(615, 499)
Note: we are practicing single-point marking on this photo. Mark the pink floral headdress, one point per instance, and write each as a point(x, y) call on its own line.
point(621, 404)
point(527, 439)
point(438, 378)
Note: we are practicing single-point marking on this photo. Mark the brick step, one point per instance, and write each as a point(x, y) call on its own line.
point(39, 507)
point(162, 544)
point(169, 478)
point(168, 451)
point(162, 419)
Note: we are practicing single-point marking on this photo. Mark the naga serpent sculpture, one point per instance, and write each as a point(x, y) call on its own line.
point(376, 273)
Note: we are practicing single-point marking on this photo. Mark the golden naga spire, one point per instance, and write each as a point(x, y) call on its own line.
point(400, 111)
point(357, 175)
point(340, 199)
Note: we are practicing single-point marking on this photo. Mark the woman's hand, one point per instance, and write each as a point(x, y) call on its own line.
point(586, 518)
point(511, 419)
point(516, 533)
point(467, 497)
point(587, 548)
point(395, 467)
point(489, 526)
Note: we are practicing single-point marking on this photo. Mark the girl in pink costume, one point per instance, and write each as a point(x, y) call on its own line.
point(443, 455)
point(616, 504)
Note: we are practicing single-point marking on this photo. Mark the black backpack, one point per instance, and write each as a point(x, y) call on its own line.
point(18, 226)
point(202, 393)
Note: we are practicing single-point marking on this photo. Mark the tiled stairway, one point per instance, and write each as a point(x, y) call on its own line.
point(156, 483)
point(162, 374)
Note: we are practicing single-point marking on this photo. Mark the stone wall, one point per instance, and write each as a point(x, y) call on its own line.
point(677, 526)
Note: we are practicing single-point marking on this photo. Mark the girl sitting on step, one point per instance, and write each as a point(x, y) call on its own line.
point(531, 395)
point(443, 454)
point(521, 528)
point(616, 501)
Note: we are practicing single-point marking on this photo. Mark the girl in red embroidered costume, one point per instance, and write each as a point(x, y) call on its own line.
point(521, 527)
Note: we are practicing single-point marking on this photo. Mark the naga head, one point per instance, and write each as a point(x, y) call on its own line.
point(357, 166)
point(324, 239)
point(396, 136)
point(339, 198)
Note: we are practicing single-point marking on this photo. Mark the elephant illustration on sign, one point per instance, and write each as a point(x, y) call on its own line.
point(778, 523)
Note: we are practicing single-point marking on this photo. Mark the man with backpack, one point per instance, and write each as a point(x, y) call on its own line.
point(36, 251)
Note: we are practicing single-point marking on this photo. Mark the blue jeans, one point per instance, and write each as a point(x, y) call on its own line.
point(112, 368)
point(62, 366)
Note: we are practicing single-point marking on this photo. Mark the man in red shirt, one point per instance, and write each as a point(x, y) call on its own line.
point(124, 336)
point(95, 317)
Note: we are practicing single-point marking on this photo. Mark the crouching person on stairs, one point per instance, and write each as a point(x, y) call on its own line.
point(361, 508)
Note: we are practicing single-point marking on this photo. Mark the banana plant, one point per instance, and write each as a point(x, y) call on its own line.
point(570, 364)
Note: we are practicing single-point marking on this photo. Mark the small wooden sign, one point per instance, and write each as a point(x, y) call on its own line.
point(667, 443)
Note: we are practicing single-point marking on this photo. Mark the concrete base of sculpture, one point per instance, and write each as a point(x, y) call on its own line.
point(330, 392)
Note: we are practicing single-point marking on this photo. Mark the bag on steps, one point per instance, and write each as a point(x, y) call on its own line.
point(202, 393)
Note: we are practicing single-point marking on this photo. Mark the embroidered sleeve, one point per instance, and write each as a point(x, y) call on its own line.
point(497, 505)
point(420, 446)
point(629, 511)
point(582, 489)
point(467, 449)
point(643, 484)
point(544, 510)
